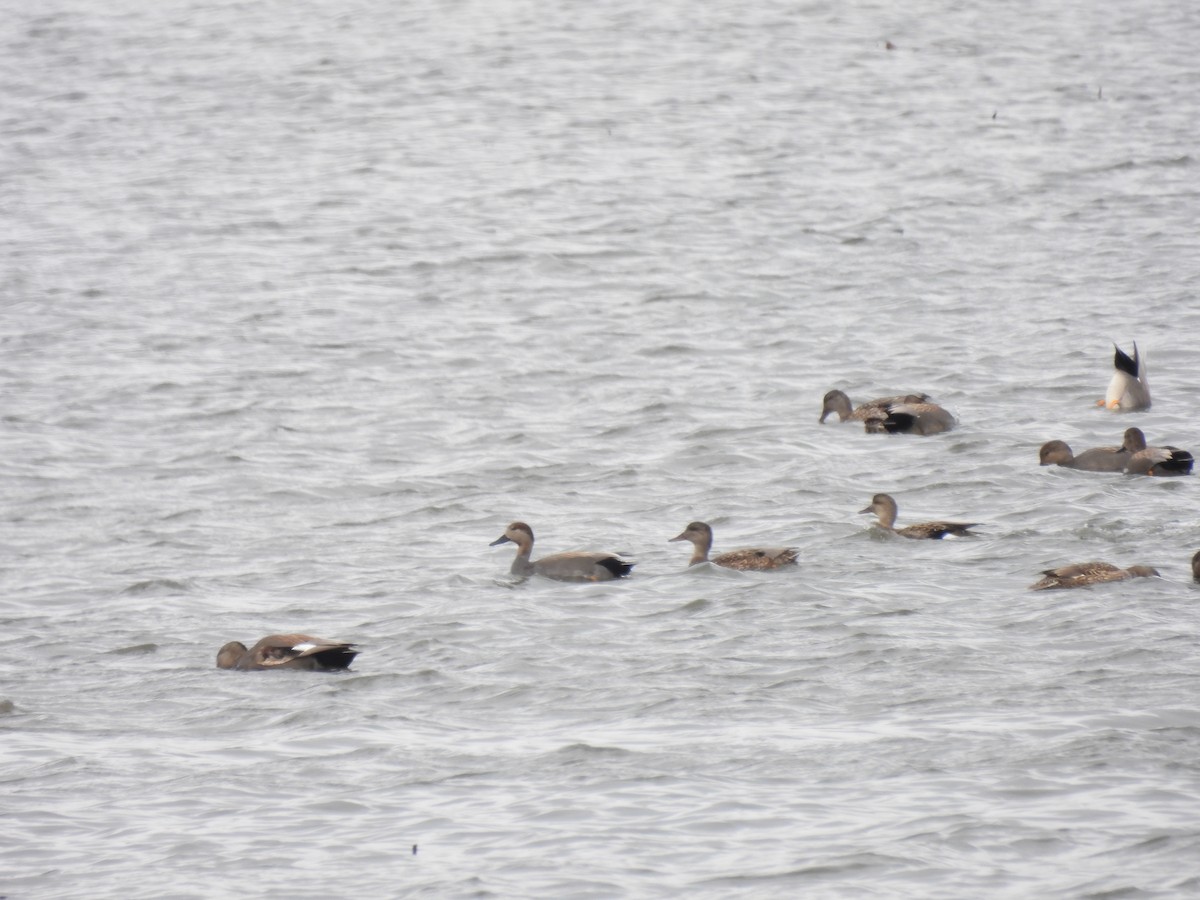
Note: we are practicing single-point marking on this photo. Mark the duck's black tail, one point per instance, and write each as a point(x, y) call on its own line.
point(617, 566)
point(1122, 360)
point(1179, 463)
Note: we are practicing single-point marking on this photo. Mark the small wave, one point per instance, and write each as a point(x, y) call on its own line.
point(157, 586)
point(135, 649)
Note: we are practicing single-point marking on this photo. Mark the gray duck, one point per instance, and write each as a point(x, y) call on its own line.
point(579, 565)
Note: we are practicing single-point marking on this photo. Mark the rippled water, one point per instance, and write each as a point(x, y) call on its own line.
point(304, 302)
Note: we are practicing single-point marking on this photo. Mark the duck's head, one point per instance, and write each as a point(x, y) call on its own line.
point(835, 402)
point(696, 532)
point(517, 532)
point(1055, 453)
point(879, 504)
point(1134, 440)
point(229, 655)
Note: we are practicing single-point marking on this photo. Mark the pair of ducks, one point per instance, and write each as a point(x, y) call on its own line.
point(1128, 391)
point(1133, 457)
point(583, 565)
point(883, 506)
point(1077, 575)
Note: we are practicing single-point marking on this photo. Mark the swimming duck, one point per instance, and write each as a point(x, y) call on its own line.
point(572, 566)
point(751, 558)
point(1128, 390)
point(1083, 574)
point(884, 506)
point(288, 651)
point(837, 402)
point(1196, 566)
point(1154, 460)
point(1097, 459)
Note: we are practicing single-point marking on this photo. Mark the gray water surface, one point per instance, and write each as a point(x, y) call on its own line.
point(303, 302)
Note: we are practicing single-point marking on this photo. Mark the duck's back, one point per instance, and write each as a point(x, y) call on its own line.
point(1101, 459)
point(938, 530)
point(582, 566)
point(757, 558)
point(1078, 575)
point(917, 418)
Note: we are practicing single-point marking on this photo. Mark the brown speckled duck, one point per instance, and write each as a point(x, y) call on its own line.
point(1128, 391)
point(578, 565)
point(1154, 460)
point(1083, 574)
point(884, 506)
point(288, 651)
point(837, 402)
point(747, 559)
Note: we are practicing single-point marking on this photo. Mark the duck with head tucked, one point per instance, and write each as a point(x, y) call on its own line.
point(884, 506)
point(747, 559)
point(579, 565)
point(1084, 574)
point(1097, 459)
point(910, 414)
point(838, 402)
point(1128, 391)
point(287, 651)
point(1154, 460)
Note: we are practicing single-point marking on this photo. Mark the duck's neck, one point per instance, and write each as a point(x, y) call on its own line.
point(521, 564)
point(700, 548)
